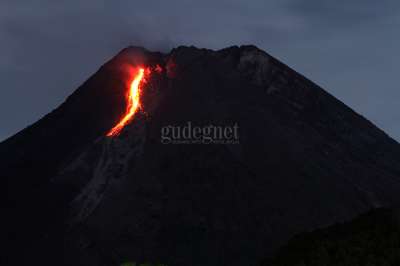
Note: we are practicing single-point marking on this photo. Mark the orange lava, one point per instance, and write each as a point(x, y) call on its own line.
point(133, 104)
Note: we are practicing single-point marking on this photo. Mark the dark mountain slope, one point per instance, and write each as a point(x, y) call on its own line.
point(33, 156)
point(304, 160)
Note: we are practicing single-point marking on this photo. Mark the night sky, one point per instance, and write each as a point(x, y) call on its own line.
point(349, 47)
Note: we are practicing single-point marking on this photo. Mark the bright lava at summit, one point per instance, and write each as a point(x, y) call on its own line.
point(133, 104)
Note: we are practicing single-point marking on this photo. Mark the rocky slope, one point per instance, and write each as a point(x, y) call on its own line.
point(304, 160)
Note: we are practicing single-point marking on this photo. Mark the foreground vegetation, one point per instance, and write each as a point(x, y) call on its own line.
point(372, 239)
point(140, 264)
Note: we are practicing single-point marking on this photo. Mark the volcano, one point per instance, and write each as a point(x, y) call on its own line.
point(92, 183)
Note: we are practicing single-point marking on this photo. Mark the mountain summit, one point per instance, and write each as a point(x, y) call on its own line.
point(76, 194)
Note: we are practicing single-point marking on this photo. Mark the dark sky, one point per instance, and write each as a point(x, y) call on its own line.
point(349, 47)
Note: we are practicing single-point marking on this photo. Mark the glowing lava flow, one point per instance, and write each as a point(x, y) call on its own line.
point(133, 103)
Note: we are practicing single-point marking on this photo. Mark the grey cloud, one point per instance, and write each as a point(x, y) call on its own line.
point(327, 14)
